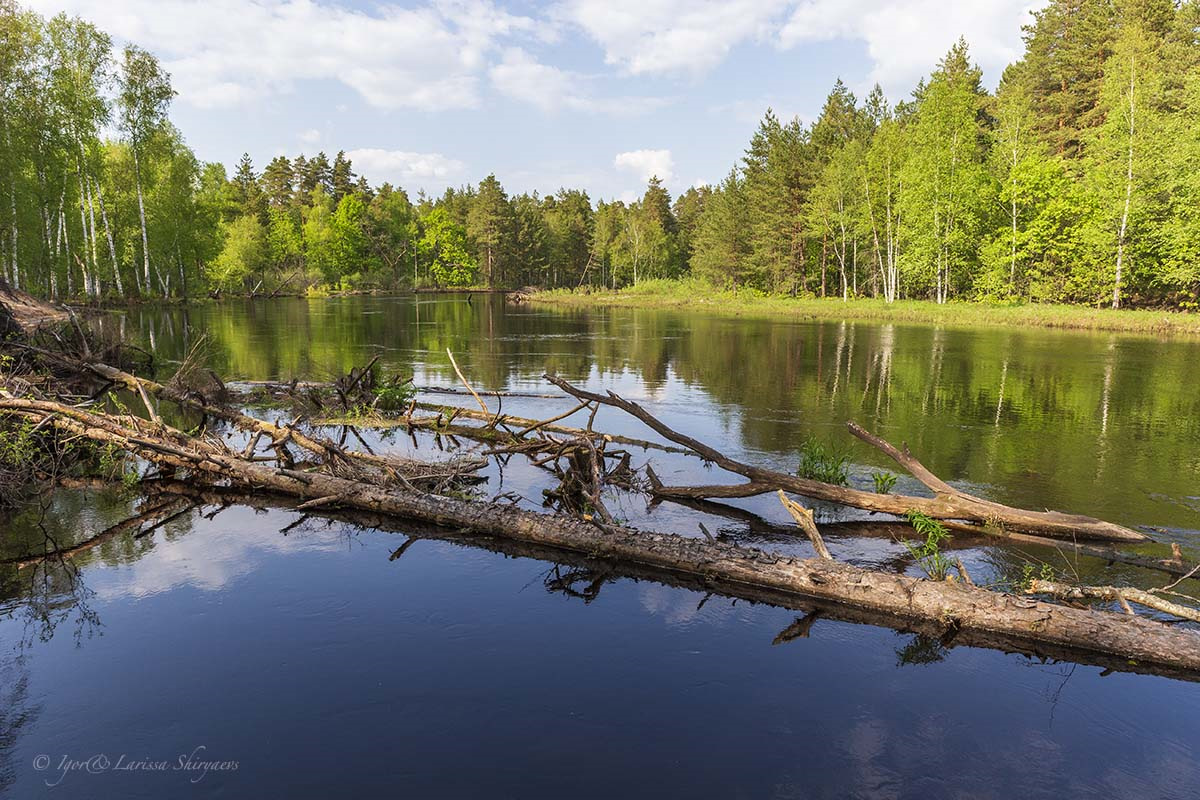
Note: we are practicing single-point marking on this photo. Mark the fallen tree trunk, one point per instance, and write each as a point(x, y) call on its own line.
point(610, 569)
point(955, 607)
point(701, 498)
point(947, 503)
point(279, 435)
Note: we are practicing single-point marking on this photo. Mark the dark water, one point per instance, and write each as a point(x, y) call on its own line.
point(322, 667)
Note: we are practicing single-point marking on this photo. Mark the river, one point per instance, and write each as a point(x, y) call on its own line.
point(231, 653)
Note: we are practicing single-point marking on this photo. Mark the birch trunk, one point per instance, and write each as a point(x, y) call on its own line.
point(112, 249)
point(137, 174)
point(1116, 297)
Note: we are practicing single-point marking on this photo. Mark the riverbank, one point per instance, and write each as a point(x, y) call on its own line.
point(696, 296)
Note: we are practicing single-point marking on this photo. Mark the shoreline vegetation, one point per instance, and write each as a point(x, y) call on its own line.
point(696, 295)
point(1074, 182)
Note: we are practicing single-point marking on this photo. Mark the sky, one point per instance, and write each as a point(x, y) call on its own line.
point(592, 94)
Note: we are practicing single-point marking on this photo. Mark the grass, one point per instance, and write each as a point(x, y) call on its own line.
point(695, 295)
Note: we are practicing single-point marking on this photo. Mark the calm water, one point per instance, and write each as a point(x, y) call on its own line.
point(322, 666)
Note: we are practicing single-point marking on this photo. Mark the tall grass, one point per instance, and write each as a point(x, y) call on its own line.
point(695, 294)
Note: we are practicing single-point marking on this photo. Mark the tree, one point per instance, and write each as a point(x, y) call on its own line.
point(1119, 151)
point(444, 247)
point(145, 94)
point(79, 63)
point(341, 177)
point(285, 242)
point(947, 186)
point(488, 224)
point(351, 248)
point(244, 253)
point(319, 234)
point(278, 182)
point(393, 230)
point(723, 247)
point(835, 207)
point(568, 222)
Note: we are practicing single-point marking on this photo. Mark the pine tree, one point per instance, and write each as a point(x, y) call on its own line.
point(489, 223)
point(341, 176)
point(278, 182)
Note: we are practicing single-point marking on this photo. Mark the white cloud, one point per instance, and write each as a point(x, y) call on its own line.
point(228, 52)
point(647, 163)
point(905, 38)
point(649, 36)
point(310, 136)
point(401, 167)
point(522, 77)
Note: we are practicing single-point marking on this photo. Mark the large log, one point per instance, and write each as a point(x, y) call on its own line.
point(955, 607)
point(947, 502)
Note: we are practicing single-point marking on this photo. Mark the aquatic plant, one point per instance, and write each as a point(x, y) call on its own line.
point(928, 553)
point(822, 462)
point(884, 481)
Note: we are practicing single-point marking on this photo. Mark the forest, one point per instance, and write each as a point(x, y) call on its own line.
point(1076, 181)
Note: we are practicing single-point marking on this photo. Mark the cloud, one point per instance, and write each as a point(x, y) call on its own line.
point(664, 36)
point(310, 136)
point(905, 38)
point(225, 53)
point(522, 77)
point(401, 167)
point(647, 163)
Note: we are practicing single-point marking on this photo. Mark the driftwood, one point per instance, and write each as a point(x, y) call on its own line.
point(955, 608)
point(279, 436)
point(947, 502)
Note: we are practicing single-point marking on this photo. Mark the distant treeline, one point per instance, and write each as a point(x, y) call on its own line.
point(1077, 181)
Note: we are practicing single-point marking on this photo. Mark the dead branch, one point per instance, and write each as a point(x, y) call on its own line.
point(804, 518)
point(944, 505)
point(1117, 594)
point(465, 383)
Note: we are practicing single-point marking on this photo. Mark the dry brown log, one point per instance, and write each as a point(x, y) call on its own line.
point(944, 505)
point(956, 607)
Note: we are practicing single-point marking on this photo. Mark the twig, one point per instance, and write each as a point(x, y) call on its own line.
point(465, 383)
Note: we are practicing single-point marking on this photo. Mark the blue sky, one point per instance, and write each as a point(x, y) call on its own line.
point(595, 94)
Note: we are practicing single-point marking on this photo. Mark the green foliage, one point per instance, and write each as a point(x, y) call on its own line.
point(928, 553)
point(821, 462)
point(884, 481)
point(444, 248)
point(18, 447)
point(396, 395)
point(244, 253)
point(1043, 572)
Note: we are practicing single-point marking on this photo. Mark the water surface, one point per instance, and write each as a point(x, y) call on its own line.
point(322, 666)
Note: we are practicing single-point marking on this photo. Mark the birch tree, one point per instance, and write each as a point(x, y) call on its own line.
point(145, 95)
